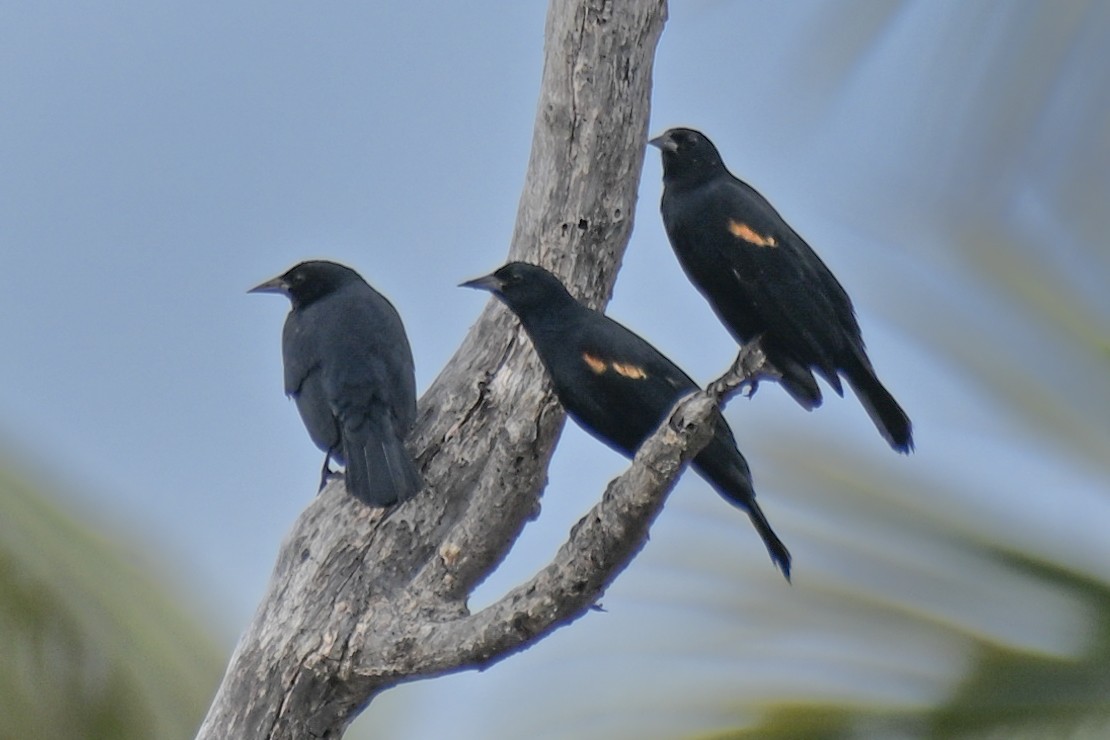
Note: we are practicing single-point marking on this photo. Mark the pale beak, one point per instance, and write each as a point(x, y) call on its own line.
point(487, 282)
point(665, 143)
point(275, 285)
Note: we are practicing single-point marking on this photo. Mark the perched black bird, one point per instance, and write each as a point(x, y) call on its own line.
point(349, 368)
point(762, 279)
point(616, 385)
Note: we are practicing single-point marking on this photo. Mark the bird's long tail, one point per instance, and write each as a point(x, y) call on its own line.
point(779, 554)
point(891, 420)
point(725, 468)
point(379, 469)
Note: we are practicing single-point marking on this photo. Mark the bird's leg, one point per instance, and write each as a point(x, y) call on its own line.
point(750, 362)
point(326, 471)
point(749, 367)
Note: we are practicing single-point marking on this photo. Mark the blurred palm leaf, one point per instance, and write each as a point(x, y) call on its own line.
point(94, 646)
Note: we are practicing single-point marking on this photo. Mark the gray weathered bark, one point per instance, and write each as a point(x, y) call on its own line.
point(362, 599)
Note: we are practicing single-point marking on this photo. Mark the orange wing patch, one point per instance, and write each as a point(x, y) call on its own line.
point(596, 364)
point(741, 230)
point(624, 369)
point(635, 372)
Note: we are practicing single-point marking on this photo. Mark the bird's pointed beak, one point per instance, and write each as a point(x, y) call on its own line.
point(487, 282)
point(275, 285)
point(664, 142)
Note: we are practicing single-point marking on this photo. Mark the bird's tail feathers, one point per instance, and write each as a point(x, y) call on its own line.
point(380, 471)
point(779, 554)
point(730, 476)
point(891, 420)
point(798, 381)
point(829, 373)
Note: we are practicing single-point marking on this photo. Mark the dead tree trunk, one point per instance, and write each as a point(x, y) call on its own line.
point(360, 599)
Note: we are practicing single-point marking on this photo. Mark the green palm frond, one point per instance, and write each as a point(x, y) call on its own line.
point(94, 646)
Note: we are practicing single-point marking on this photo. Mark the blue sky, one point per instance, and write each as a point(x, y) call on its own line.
point(158, 159)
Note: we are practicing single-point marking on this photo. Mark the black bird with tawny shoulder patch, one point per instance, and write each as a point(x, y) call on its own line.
point(763, 280)
point(616, 385)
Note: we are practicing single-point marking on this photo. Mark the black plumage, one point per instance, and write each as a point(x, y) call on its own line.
point(616, 385)
point(349, 368)
point(762, 279)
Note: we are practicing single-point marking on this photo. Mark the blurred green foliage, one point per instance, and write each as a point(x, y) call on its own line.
point(96, 643)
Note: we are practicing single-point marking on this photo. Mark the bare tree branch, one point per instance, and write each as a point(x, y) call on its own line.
point(600, 545)
point(358, 596)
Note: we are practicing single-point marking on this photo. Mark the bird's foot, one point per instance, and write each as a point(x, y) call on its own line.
point(751, 362)
point(325, 472)
point(746, 371)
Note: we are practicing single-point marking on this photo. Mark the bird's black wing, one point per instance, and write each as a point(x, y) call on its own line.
point(376, 361)
point(368, 380)
point(635, 386)
point(747, 255)
point(615, 383)
point(301, 358)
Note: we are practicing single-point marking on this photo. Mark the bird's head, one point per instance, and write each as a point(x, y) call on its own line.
point(529, 290)
point(308, 281)
point(688, 155)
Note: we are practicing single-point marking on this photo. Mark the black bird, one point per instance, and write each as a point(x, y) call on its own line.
point(349, 368)
point(616, 385)
point(762, 279)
